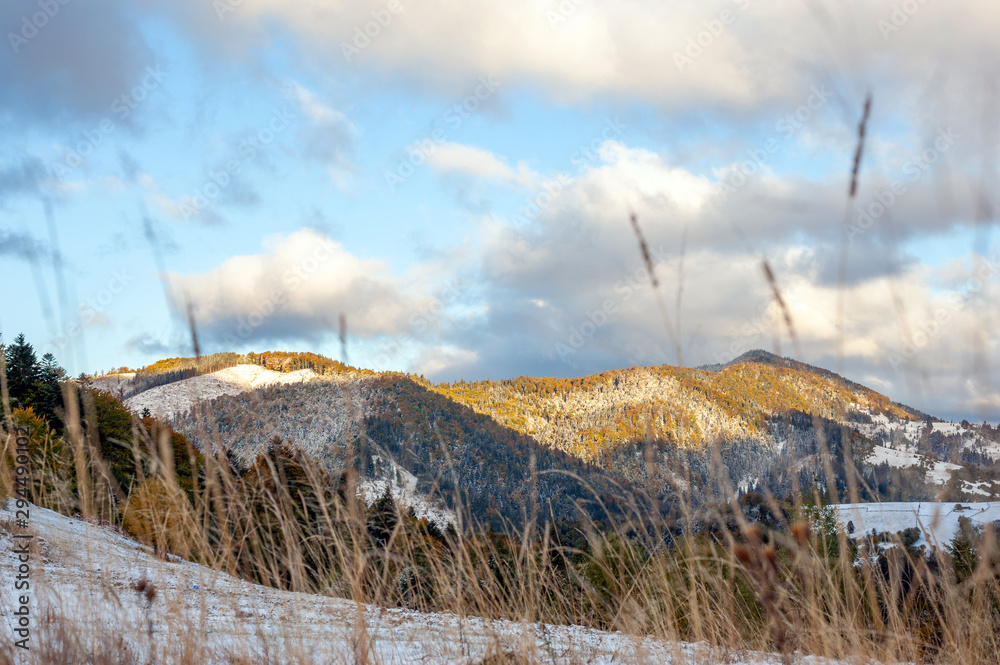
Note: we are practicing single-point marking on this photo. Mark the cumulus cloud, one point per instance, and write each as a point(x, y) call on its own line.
point(296, 289)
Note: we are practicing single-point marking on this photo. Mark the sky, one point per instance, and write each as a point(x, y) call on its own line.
point(454, 182)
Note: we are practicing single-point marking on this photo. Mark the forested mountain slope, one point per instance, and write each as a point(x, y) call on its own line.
point(676, 434)
point(687, 408)
point(387, 425)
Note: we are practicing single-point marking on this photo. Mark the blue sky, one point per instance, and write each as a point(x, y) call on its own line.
point(533, 130)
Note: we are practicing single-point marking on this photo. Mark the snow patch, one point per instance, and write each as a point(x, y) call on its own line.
point(939, 473)
point(176, 398)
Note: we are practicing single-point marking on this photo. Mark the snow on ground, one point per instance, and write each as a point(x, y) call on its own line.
point(938, 520)
point(911, 431)
point(977, 488)
point(402, 487)
point(86, 574)
point(988, 448)
point(178, 397)
point(113, 382)
point(900, 459)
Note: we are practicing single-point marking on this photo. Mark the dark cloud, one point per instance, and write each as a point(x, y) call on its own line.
point(20, 177)
point(149, 345)
point(20, 245)
point(74, 66)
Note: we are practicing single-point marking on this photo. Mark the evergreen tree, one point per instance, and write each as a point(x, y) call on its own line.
point(48, 394)
point(382, 518)
point(23, 372)
point(962, 550)
point(33, 383)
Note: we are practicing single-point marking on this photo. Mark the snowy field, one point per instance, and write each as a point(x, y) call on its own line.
point(178, 397)
point(938, 520)
point(87, 573)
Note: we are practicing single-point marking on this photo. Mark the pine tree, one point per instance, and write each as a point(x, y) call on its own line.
point(48, 393)
point(23, 372)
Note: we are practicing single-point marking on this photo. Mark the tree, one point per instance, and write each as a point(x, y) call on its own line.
point(48, 393)
point(383, 518)
point(23, 371)
point(962, 550)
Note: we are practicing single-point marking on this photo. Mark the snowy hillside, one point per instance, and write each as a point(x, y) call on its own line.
point(113, 383)
point(178, 397)
point(402, 486)
point(938, 520)
point(87, 575)
point(690, 408)
point(905, 435)
point(938, 473)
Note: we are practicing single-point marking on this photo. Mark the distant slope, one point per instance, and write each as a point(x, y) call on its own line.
point(688, 408)
point(171, 370)
point(428, 442)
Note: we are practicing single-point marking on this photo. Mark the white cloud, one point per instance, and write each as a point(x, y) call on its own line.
point(296, 289)
point(580, 258)
point(470, 160)
point(759, 51)
point(316, 110)
point(435, 360)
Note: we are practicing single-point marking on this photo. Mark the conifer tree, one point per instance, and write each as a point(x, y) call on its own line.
point(23, 372)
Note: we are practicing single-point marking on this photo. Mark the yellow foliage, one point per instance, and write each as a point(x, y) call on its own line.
point(37, 426)
point(698, 406)
point(155, 515)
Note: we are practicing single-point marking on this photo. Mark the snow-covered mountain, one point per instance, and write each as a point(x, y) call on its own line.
point(761, 409)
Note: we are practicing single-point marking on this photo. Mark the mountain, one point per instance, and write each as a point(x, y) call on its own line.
point(506, 449)
point(687, 408)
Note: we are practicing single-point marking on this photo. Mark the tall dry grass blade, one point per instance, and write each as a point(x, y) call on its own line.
point(4, 392)
point(193, 328)
point(785, 311)
point(59, 276)
point(343, 338)
point(852, 194)
point(654, 280)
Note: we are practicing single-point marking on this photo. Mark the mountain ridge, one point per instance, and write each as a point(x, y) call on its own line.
point(769, 417)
